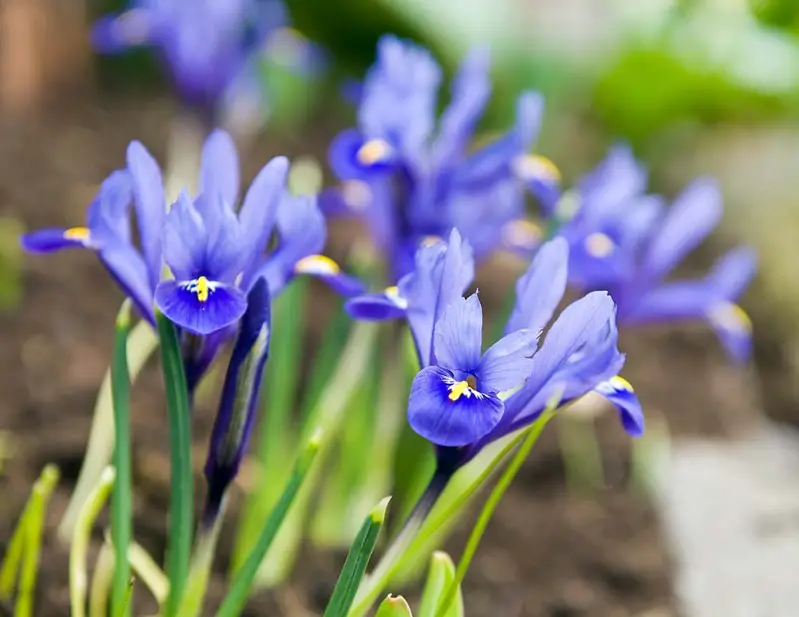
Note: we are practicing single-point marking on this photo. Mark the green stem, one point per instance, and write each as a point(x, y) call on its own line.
point(533, 433)
point(181, 506)
point(202, 561)
point(243, 582)
point(122, 494)
point(101, 580)
point(79, 550)
point(141, 344)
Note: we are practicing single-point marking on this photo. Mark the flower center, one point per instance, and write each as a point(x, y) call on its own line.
point(459, 388)
point(202, 287)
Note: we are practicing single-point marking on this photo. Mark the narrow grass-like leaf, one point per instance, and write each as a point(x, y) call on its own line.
point(201, 563)
point(141, 345)
point(439, 578)
point(148, 572)
point(79, 551)
point(181, 503)
point(394, 606)
point(100, 588)
point(33, 530)
point(243, 581)
point(122, 494)
point(357, 561)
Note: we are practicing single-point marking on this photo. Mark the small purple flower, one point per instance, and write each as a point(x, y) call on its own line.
point(205, 44)
point(626, 242)
point(408, 174)
point(213, 253)
point(463, 399)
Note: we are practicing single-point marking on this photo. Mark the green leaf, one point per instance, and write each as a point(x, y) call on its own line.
point(243, 582)
point(394, 606)
point(357, 560)
point(181, 503)
point(122, 493)
point(439, 579)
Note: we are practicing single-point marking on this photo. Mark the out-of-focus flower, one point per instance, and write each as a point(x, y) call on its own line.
point(410, 175)
point(627, 242)
point(462, 399)
point(205, 44)
point(213, 254)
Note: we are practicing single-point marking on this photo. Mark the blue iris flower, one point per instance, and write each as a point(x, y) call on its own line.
point(408, 173)
point(198, 262)
point(205, 44)
point(463, 399)
point(627, 242)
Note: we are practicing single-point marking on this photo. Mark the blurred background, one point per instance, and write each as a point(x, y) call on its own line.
point(695, 86)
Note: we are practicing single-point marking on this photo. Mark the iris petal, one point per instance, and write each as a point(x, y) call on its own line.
point(259, 210)
point(619, 392)
point(459, 335)
point(734, 329)
point(445, 420)
point(377, 307)
point(695, 213)
point(183, 303)
point(328, 271)
point(540, 289)
point(185, 238)
point(113, 34)
point(219, 169)
point(53, 239)
point(148, 190)
point(508, 362)
point(732, 273)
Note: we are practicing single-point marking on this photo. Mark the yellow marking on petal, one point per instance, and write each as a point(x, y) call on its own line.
point(357, 194)
point(457, 390)
point(81, 234)
point(522, 233)
point(202, 289)
point(599, 245)
point(620, 383)
point(535, 167)
point(568, 205)
point(393, 294)
point(373, 151)
point(730, 316)
point(431, 240)
point(317, 264)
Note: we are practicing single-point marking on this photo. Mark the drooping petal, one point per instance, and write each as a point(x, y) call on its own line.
point(55, 239)
point(734, 329)
point(619, 392)
point(261, 204)
point(234, 420)
point(694, 214)
point(219, 168)
point(676, 301)
point(185, 239)
point(607, 190)
point(471, 88)
point(508, 362)
point(199, 305)
point(447, 413)
point(113, 34)
point(732, 273)
point(459, 335)
point(148, 190)
point(329, 272)
point(540, 289)
point(378, 307)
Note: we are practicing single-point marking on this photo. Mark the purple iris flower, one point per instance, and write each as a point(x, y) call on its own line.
point(409, 174)
point(463, 399)
point(627, 242)
point(213, 253)
point(204, 44)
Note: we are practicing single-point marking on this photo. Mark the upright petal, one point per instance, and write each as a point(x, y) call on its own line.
point(459, 335)
point(508, 362)
point(113, 34)
point(447, 415)
point(234, 420)
point(695, 213)
point(128, 269)
point(732, 273)
point(148, 190)
point(219, 168)
point(259, 211)
point(470, 91)
point(199, 305)
point(108, 216)
point(607, 190)
point(619, 392)
point(185, 239)
point(225, 257)
point(540, 289)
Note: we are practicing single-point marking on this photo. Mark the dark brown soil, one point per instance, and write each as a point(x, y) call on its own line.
point(547, 552)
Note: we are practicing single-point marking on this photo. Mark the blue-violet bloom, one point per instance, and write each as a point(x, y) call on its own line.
point(628, 243)
point(410, 175)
